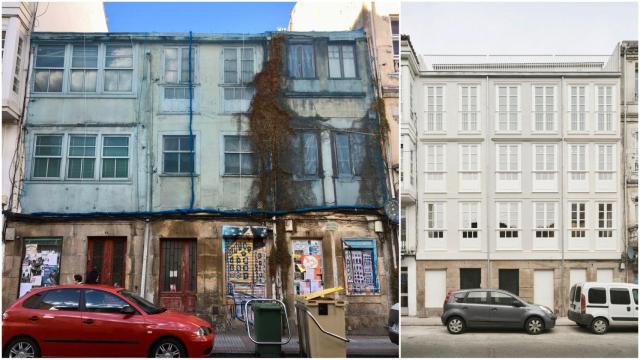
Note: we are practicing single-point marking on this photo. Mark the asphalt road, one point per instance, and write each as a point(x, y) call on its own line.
point(562, 341)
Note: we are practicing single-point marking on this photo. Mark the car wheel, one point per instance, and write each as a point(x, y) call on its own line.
point(22, 347)
point(168, 348)
point(599, 326)
point(534, 325)
point(455, 325)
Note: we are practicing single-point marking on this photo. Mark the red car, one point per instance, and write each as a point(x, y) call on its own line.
point(99, 321)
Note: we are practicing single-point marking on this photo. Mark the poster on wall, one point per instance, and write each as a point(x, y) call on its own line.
point(307, 266)
point(359, 271)
point(246, 267)
point(40, 265)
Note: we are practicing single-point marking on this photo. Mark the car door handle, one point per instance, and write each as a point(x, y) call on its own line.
point(629, 308)
point(494, 309)
point(34, 318)
point(87, 321)
point(465, 308)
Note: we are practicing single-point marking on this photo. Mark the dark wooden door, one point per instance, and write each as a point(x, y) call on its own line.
point(107, 256)
point(178, 274)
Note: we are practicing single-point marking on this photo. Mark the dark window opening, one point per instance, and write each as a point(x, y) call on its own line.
point(470, 278)
point(509, 280)
point(620, 296)
point(597, 296)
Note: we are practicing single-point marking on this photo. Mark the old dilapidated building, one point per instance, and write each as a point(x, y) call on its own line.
point(193, 167)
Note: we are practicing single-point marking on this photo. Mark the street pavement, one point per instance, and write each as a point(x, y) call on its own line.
point(234, 342)
point(429, 338)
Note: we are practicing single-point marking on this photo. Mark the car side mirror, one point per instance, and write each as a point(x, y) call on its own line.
point(516, 303)
point(128, 310)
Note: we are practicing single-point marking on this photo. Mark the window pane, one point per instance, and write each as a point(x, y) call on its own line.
point(170, 162)
point(230, 66)
point(42, 80)
point(40, 167)
point(122, 168)
point(61, 299)
point(232, 164)
point(116, 141)
point(119, 57)
point(247, 65)
point(342, 154)
point(620, 296)
point(55, 81)
point(108, 168)
point(334, 62)
point(499, 298)
point(101, 301)
point(171, 143)
point(85, 56)
point(310, 154)
point(186, 163)
point(50, 56)
point(308, 66)
point(247, 164)
point(348, 61)
point(476, 297)
point(597, 296)
point(124, 80)
point(110, 81)
point(231, 143)
point(357, 152)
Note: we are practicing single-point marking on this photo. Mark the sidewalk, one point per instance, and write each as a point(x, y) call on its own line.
point(435, 321)
point(234, 342)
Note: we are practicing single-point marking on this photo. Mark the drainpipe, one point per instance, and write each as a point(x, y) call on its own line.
point(486, 184)
point(624, 158)
point(562, 197)
point(150, 162)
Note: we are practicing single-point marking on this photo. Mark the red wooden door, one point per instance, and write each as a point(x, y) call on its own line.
point(107, 256)
point(178, 274)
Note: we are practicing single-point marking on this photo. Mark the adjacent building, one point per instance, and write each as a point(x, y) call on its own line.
point(19, 20)
point(518, 181)
point(142, 163)
point(628, 51)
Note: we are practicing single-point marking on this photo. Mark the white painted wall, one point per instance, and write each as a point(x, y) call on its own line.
point(527, 191)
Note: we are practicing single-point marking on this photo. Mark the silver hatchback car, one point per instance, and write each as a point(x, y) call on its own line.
point(475, 308)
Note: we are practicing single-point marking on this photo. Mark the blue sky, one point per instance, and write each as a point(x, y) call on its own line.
point(519, 28)
point(239, 17)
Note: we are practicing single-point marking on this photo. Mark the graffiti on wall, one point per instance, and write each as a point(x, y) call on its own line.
point(245, 260)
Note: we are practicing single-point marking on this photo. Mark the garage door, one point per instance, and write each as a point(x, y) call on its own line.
point(543, 288)
point(576, 276)
point(435, 288)
point(604, 275)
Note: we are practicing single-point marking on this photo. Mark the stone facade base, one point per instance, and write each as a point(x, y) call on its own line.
point(561, 278)
point(192, 263)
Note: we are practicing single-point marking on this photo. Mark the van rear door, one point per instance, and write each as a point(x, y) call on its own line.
point(574, 299)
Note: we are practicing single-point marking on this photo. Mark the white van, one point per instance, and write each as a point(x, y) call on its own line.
point(599, 305)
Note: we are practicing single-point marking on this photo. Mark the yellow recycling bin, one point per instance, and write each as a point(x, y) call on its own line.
point(321, 327)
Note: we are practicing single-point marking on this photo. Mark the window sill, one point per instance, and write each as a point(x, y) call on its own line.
point(179, 175)
point(186, 112)
point(168, 84)
point(80, 182)
point(130, 95)
point(238, 176)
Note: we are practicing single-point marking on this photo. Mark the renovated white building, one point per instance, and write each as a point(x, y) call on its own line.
point(518, 182)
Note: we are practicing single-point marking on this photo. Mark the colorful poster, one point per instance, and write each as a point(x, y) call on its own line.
point(40, 265)
point(359, 271)
point(307, 269)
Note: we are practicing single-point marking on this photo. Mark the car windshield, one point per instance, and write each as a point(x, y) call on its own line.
point(147, 306)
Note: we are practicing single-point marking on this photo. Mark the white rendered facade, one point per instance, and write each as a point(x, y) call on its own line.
point(518, 174)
